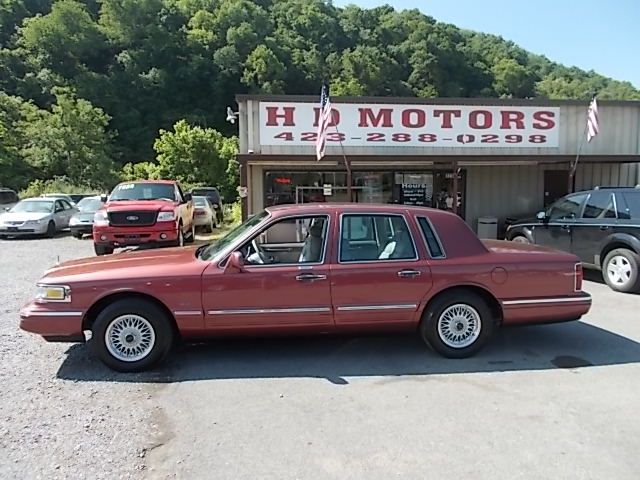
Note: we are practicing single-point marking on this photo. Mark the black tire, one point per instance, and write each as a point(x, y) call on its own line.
point(51, 229)
point(77, 235)
point(3, 237)
point(102, 249)
point(520, 238)
point(438, 306)
point(192, 235)
point(149, 312)
point(625, 259)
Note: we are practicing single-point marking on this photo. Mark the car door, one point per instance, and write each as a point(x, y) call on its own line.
point(69, 211)
point(379, 277)
point(556, 229)
point(597, 222)
point(59, 216)
point(284, 282)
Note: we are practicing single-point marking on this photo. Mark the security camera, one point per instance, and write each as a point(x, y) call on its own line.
point(231, 115)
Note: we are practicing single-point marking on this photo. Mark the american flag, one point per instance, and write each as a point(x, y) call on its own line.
point(592, 120)
point(324, 119)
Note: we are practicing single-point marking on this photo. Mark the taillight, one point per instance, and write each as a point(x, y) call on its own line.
point(578, 277)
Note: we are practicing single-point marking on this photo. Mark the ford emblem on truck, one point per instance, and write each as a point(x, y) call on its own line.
point(133, 218)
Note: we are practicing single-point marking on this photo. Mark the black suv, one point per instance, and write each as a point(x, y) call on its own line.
point(214, 197)
point(601, 226)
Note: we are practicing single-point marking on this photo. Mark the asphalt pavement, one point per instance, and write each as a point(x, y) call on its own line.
point(555, 401)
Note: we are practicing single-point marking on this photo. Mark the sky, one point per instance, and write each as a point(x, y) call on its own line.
point(595, 35)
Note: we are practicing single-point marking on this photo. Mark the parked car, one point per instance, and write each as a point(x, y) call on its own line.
point(144, 212)
point(601, 226)
point(8, 198)
point(36, 216)
point(204, 214)
point(60, 195)
point(82, 222)
point(303, 269)
point(76, 197)
point(214, 197)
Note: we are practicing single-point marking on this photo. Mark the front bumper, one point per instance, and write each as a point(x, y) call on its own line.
point(36, 229)
point(165, 232)
point(55, 323)
point(84, 228)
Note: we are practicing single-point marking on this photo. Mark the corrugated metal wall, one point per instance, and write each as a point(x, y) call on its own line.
point(512, 191)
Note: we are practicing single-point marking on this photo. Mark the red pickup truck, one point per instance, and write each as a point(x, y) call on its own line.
point(144, 212)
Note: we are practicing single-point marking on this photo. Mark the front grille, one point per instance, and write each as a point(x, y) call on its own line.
point(120, 219)
point(13, 222)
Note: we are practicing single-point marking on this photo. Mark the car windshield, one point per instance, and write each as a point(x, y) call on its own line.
point(89, 204)
point(33, 206)
point(143, 191)
point(207, 252)
point(207, 192)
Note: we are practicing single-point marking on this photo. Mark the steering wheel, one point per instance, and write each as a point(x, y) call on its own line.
point(261, 256)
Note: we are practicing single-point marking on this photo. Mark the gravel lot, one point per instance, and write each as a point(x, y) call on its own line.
point(555, 401)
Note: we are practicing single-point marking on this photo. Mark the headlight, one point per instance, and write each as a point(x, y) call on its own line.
point(34, 222)
point(215, 205)
point(74, 221)
point(166, 216)
point(100, 218)
point(53, 293)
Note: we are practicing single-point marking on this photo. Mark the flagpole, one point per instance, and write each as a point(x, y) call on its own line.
point(574, 166)
point(347, 164)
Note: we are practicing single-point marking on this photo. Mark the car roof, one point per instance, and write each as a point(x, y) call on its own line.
point(166, 182)
point(40, 199)
point(353, 208)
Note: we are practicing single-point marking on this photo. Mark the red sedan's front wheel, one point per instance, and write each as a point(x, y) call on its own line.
point(457, 324)
point(131, 335)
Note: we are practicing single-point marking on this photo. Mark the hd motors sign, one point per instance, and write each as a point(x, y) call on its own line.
point(470, 126)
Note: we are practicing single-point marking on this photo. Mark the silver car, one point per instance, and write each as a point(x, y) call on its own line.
point(36, 216)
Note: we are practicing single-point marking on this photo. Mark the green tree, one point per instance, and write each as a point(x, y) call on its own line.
point(198, 156)
point(72, 140)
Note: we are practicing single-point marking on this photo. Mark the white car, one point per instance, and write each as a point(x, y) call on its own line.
point(204, 214)
point(60, 195)
point(36, 216)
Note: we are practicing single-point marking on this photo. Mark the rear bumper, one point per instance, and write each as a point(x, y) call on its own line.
point(528, 311)
point(163, 232)
point(54, 325)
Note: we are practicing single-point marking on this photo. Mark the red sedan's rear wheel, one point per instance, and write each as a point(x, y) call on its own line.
point(457, 324)
point(131, 335)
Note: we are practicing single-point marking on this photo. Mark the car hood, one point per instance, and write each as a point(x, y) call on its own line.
point(139, 263)
point(22, 216)
point(523, 221)
point(139, 205)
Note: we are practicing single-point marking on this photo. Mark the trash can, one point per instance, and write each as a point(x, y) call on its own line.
point(488, 227)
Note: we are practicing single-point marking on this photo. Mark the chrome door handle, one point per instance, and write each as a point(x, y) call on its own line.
point(409, 273)
point(310, 277)
point(604, 227)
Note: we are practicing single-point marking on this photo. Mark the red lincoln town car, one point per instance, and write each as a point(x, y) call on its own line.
point(310, 269)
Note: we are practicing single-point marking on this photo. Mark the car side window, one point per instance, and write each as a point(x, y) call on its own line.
point(58, 206)
point(66, 205)
point(290, 241)
point(599, 205)
point(365, 238)
point(433, 245)
point(567, 208)
point(629, 205)
point(179, 195)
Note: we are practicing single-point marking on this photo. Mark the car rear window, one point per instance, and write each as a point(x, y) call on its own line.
point(630, 207)
point(211, 193)
point(433, 245)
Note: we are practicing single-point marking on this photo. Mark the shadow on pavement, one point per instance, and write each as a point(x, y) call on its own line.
point(570, 345)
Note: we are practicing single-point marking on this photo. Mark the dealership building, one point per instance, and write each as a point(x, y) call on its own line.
point(501, 158)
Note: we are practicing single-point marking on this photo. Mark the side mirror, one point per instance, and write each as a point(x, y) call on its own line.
point(541, 215)
point(235, 264)
point(188, 197)
point(103, 197)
